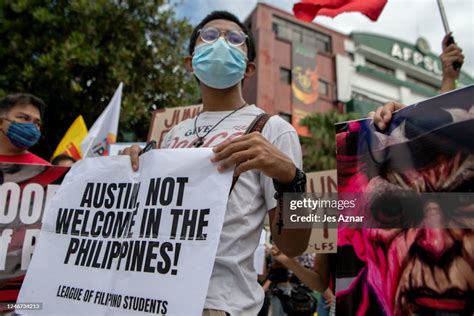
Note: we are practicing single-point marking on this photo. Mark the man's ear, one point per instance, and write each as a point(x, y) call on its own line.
point(188, 63)
point(250, 70)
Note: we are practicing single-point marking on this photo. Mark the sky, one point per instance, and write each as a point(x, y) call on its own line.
point(403, 19)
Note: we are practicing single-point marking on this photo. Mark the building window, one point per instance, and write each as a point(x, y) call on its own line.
point(422, 83)
point(285, 116)
point(362, 97)
point(299, 34)
point(323, 88)
point(275, 28)
point(379, 67)
point(285, 75)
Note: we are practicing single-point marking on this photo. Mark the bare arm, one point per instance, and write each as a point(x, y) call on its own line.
point(292, 242)
point(317, 280)
point(266, 285)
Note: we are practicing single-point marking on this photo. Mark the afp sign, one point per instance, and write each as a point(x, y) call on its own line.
point(415, 57)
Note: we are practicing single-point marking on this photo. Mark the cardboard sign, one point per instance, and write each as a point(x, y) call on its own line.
point(118, 242)
point(322, 240)
point(164, 120)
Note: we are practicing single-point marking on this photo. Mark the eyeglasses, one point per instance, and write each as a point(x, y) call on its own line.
point(233, 37)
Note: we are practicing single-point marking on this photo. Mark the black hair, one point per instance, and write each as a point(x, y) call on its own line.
point(224, 15)
point(12, 100)
point(56, 160)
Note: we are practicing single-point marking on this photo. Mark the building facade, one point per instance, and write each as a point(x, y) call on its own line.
point(304, 68)
point(377, 69)
point(296, 64)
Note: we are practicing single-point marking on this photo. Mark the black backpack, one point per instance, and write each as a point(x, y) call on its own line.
point(300, 302)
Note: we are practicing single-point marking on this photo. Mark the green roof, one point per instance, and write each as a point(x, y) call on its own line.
point(385, 45)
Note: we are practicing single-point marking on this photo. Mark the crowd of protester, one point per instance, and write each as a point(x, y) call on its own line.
point(290, 284)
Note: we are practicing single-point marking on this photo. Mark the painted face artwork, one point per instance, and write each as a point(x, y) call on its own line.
point(425, 267)
point(417, 271)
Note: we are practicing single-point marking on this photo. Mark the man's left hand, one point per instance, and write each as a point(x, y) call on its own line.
point(278, 255)
point(253, 151)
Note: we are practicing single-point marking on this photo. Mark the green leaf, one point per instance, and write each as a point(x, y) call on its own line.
point(319, 149)
point(73, 54)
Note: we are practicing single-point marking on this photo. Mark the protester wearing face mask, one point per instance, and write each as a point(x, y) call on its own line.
point(20, 128)
point(222, 55)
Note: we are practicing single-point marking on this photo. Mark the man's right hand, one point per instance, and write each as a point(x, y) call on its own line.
point(132, 151)
point(383, 115)
point(329, 297)
point(451, 53)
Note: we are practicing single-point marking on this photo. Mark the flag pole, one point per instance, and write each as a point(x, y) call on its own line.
point(444, 18)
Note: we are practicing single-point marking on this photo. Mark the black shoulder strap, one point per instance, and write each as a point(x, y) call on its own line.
point(256, 126)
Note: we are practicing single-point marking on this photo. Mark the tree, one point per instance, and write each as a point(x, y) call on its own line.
point(319, 150)
point(73, 54)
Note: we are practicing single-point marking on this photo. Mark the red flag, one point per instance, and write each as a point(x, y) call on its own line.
point(307, 10)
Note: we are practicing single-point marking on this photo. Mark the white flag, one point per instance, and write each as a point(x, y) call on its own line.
point(105, 129)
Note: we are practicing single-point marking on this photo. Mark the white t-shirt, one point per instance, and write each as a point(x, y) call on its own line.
point(233, 286)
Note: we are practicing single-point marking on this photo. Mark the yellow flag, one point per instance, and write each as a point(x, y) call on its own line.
point(71, 142)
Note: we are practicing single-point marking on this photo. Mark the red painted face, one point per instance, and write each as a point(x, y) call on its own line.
point(419, 270)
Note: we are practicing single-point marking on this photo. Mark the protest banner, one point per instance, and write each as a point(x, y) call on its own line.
point(163, 120)
point(322, 240)
point(24, 192)
point(118, 242)
point(406, 265)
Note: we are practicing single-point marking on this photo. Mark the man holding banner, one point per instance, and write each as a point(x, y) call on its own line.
point(222, 54)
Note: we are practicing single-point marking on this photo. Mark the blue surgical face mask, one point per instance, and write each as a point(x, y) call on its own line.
point(219, 65)
point(23, 135)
